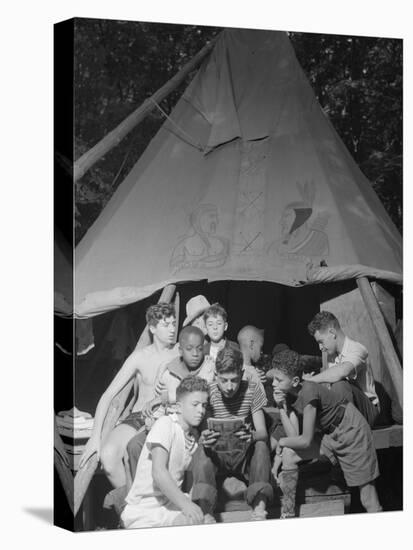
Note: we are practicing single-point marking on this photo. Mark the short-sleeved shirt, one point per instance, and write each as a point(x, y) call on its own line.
point(169, 434)
point(326, 402)
point(356, 354)
point(249, 399)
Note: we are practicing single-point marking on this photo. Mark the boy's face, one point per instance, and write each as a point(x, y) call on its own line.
point(192, 350)
point(228, 383)
point(326, 340)
point(192, 407)
point(284, 383)
point(216, 327)
point(164, 331)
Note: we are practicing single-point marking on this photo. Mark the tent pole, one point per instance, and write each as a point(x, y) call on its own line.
point(62, 465)
point(88, 159)
point(382, 332)
point(84, 475)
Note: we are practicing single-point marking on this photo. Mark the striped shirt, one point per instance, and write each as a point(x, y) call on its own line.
point(249, 399)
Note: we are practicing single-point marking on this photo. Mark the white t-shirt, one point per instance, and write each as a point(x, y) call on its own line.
point(168, 433)
point(356, 354)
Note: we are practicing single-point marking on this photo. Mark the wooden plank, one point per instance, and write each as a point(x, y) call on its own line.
point(86, 161)
point(391, 436)
point(389, 353)
point(236, 516)
point(321, 509)
point(85, 474)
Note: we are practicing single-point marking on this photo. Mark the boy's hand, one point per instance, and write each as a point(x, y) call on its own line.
point(262, 375)
point(278, 460)
point(308, 375)
point(91, 447)
point(193, 512)
point(279, 398)
point(245, 433)
point(149, 406)
point(208, 438)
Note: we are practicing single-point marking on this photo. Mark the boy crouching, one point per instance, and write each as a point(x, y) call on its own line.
point(155, 498)
point(346, 435)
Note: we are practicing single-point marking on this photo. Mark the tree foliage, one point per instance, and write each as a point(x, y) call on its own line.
point(118, 64)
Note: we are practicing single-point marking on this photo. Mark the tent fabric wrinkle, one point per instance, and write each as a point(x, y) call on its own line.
point(273, 190)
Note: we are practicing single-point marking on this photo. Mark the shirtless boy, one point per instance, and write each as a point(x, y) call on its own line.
point(144, 364)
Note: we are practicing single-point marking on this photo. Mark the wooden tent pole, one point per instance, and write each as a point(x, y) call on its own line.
point(62, 465)
point(88, 159)
point(84, 475)
point(382, 332)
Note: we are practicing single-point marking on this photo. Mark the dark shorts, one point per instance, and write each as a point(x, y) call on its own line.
point(134, 420)
point(351, 445)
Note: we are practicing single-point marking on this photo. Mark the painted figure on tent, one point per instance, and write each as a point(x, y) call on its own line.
point(200, 247)
point(303, 234)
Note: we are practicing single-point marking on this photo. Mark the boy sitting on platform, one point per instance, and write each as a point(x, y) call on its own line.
point(346, 435)
point(215, 318)
point(155, 498)
point(244, 452)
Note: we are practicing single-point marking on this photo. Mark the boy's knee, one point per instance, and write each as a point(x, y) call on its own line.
point(110, 457)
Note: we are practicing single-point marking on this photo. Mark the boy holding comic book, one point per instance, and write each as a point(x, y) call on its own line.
point(236, 440)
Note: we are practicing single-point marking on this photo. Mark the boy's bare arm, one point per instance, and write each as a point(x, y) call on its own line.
point(332, 374)
point(127, 371)
point(258, 421)
point(304, 440)
point(166, 484)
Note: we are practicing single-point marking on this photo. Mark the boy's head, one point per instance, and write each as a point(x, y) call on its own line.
point(325, 329)
point(287, 371)
point(161, 319)
point(215, 318)
point(228, 369)
point(191, 346)
point(192, 399)
point(251, 341)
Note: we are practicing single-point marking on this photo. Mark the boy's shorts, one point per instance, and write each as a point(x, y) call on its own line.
point(351, 445)
point(149, 513)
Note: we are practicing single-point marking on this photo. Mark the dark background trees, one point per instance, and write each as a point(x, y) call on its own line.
point(118, 64)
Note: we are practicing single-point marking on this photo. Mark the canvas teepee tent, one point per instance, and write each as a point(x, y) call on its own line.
point(246, 180)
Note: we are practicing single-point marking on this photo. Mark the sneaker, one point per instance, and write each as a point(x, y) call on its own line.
point(258, 515)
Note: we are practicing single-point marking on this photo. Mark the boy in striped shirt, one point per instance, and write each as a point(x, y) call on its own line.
point(244, 453)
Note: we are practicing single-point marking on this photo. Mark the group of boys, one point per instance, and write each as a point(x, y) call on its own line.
point(201, 408)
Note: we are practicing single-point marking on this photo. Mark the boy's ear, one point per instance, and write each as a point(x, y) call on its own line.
point(295, 381)
point(225, 327)
point(332, 331)
point(151, 329)
point(179, 348)
point(178, 406)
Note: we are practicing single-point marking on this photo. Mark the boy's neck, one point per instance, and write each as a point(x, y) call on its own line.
point(161, 346)
point(220, 343)
point(184, 425)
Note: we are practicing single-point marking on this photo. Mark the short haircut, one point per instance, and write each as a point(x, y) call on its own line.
point(278, 348)
point(188, 330)
point(323, 321)
point(159, 311)
point(229, 360)
point(248, 333)
point(288, 362)
point(191, 384)
point(214, 310)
